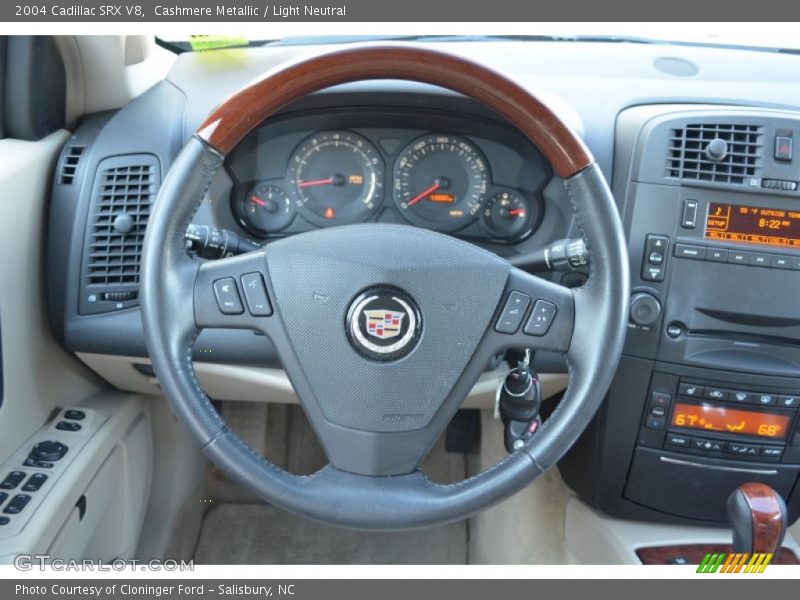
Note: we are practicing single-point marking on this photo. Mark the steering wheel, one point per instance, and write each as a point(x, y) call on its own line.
point(378, 400)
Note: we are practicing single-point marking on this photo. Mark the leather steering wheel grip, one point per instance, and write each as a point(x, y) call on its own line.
point(331, 495)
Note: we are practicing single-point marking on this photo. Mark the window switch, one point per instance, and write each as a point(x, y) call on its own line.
point(12, 480)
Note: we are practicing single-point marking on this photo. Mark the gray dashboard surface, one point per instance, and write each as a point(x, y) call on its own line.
point(587, 83)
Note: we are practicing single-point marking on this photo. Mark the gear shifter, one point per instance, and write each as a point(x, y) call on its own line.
point(758, 516)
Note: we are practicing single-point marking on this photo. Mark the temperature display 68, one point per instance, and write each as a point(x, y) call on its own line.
point(710, 417)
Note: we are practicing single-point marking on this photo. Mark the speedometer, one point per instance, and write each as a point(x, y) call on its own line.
point(440, 182)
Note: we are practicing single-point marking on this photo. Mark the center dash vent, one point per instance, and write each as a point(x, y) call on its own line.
point(69, 164)
point(124, 190)
point(715, 152)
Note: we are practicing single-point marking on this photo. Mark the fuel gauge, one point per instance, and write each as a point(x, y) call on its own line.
point(266, 209)
point(507, 214)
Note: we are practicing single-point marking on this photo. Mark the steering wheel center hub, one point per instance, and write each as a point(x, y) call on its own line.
point(384, 323)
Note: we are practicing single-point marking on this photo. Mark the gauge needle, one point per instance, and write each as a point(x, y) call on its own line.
point(517, 211)
point(305, 184)
point(257, 200)
point(422, 195)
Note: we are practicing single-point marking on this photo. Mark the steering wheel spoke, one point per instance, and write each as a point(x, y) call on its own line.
point(232, 293)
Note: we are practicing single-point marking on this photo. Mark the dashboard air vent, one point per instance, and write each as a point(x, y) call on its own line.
point(715, 152)
point(120, 217)
point(124, 189)
point(69, 164)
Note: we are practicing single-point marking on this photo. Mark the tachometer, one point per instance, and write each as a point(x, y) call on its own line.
point(440, 182)
point(336, 176)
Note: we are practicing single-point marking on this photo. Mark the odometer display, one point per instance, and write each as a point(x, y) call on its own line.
point(440, 182)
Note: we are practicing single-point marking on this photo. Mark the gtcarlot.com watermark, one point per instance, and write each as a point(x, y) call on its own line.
point(30, 562)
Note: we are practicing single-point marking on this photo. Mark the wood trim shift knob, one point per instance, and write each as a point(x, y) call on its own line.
point(758, 516)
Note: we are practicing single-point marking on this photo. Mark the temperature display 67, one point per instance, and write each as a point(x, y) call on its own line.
point(711, 417)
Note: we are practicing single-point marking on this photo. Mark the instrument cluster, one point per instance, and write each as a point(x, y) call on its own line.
point(439, 181)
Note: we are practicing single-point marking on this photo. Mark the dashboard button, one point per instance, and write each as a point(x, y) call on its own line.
point(783, 148)
point(48, 450)
point(513, 311)
point(765, 399)
point(715, 393)
point(689, 251)
point(3, 497)
point(779, 261)
point(255, 294)
point(654, 423)
point(541, 318)
point(655, 246)
point(692, 390)
point(772, 451)
point(680, 441)
point(689, 217)
point(738, 257)
point(658, 411)
point(228, 296)
point(788, 401)
point(12, 480)
point(742, 449)
point(739, 396)
point(4, 520)
point(759, 259)
point(74, 415)
point(716, 255)
point(707, 445)
point(659, 399)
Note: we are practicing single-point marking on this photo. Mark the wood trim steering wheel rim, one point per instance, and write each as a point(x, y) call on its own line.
point(240, 113)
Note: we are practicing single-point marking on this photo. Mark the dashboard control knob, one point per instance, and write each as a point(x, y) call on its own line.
point(645, 309)
point(717, 149)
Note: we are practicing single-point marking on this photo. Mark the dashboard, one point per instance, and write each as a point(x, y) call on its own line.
point(449, 173)
point(706, 178)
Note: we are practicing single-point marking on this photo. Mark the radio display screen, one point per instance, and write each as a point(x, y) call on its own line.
point(753, 225)
point(711, 417)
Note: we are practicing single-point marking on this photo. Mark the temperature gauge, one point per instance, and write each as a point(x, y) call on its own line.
point(507, 214)
point(266, 209)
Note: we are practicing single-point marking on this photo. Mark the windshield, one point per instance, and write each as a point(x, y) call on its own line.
point(766, 39)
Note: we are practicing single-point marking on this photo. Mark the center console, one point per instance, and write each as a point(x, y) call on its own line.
point(708, 390)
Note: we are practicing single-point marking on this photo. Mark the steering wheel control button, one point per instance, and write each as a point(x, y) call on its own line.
point(17, 504)
point(255, 294)
point(655, 254)
point(513, 311)
point(227, 295)
point(48, 451)
point(541, 318)
point(384, 323)
point(12, 480)
point(35, 482)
